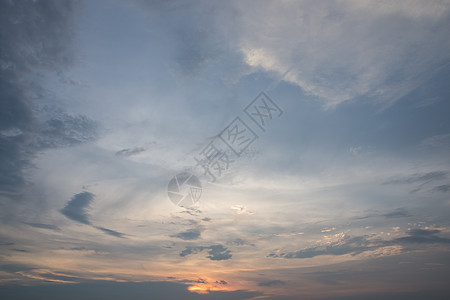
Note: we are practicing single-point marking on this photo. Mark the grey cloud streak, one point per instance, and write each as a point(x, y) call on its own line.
point(77, 210)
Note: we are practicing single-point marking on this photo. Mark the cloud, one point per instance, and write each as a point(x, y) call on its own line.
point(422, 236)
point(191, 234)
point(111, 232)
point(272, 283)
point(216, 252)
point(442, 188)
point(420, 177)
point(43, 226)
point(239, 242)
point(36, 37)
point(77, 208)
point(347, 49)
point(360, 244)
point(398, 213)
point(336, 52)
point(130, 151)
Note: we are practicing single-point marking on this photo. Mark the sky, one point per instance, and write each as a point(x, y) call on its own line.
point(224, 149)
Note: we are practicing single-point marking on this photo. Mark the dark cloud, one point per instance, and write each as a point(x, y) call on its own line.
point(418, 178)
point(442, 188)
point(77, 208)
point(418, 295)
point(398, 213)
point(20, 250)
point(37, 33)
point(215, 252)
point(130, 151)
point(360, 244)
point(43, 226)
point(6, 243)
point(239, 242)
point(422, 236)
point(189, 235)
point(63, 130)
point(272, 283)
point(35, 36)
point(111, 232)
point(223, 282)
point(199, 280)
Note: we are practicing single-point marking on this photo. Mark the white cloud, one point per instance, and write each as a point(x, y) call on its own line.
point(342, 50)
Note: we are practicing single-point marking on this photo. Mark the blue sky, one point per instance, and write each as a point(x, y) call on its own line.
point(343, 192)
